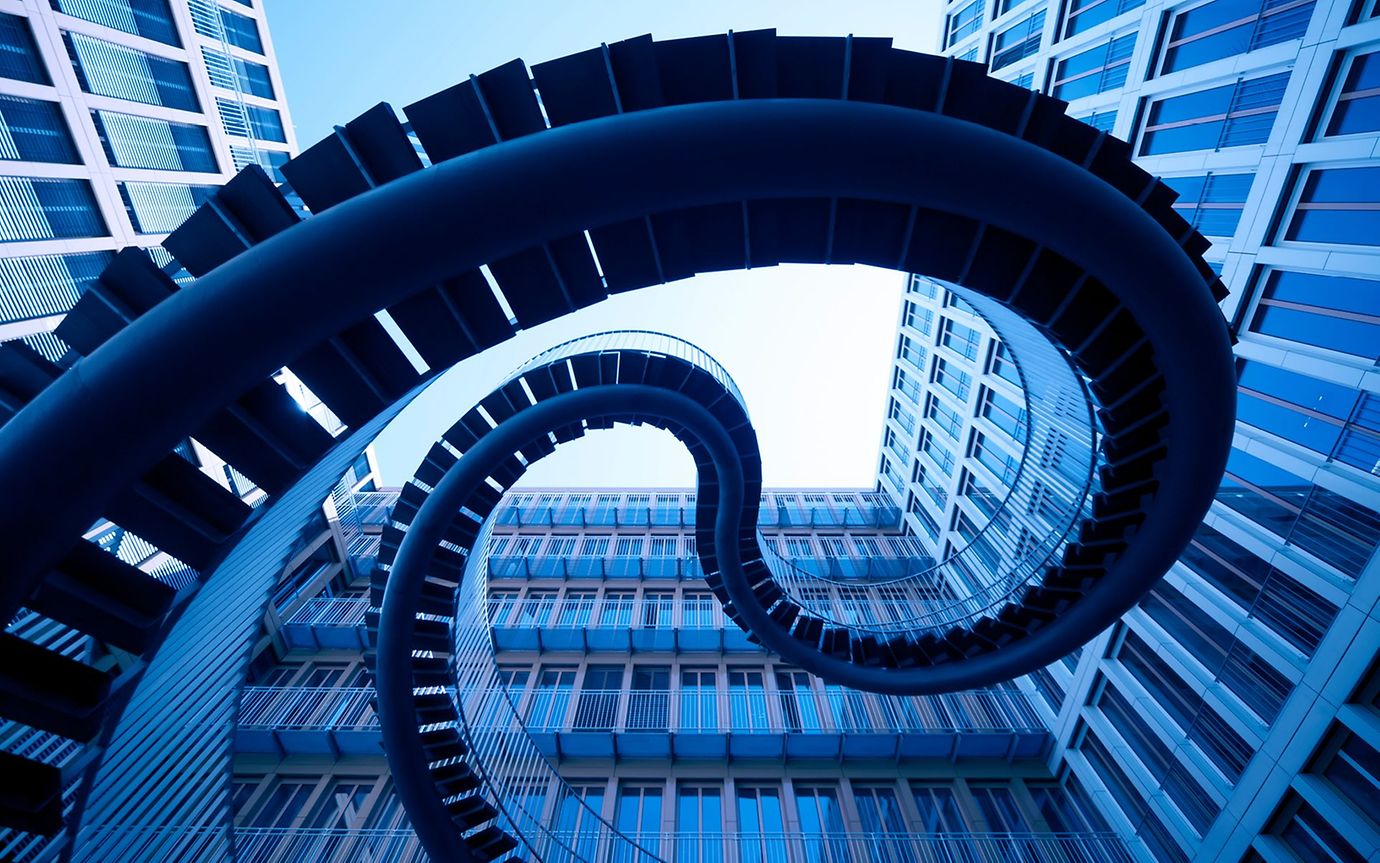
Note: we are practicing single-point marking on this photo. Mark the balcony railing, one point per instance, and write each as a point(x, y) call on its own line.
point(707, 711)
point(307, 708)
point(867, 848)
point(879, 516)
point(281, 845)
point(338, 611)
point(682, 711)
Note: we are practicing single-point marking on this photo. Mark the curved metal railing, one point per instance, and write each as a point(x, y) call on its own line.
point(1025, 531)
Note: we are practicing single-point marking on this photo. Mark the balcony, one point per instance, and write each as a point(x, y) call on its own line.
point(285, 720)
point(263, 844)
point(691, 724)
point(624, 627)
point(882, 515)
point(328, 623)
point(854, 848)
point(713, 724)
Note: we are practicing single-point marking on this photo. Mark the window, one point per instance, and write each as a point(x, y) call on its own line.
point(1096, 70)
point(597, 708)
point(699, 710)
point(282, 807)
point(1224, 28)
point(911, 352)
point(234, 73)
point(1340, 205)
point(1018, 41)
point(1164, 768)
point(1004, 365)
point(151, 19)
point(1161, 844)
point(656, 609)
point(951, 378)
point(821, 822)
point(649, 702)
point(1357, 109)
point(943, 456)
point(1233, 115)
point(147, 142)
point(536, 607)
point(107, 69)
point(576, 609)
point(1257, 683)
point(1067, 809)
point(19, 57)
point(1004, 413)
point(1002, 465)
point(1086, 14)
point(1337, 531)
point(157, 208)
point(747, 700)
point(32, 287)
point(616, 610)
point(251, 121)
point(218, 23)
point(760, 824)
point(638, 814)
point(33, 130)
point(945, 418)
point(901, 415)
point(908, 385)
point(1296, 613)
point(964, 23)
point(547, 708)
point(1330, 312)
point(699, 823)
point(960, 339)
point(577, 812)
point(919, 317)
point(1103, 121)
point(1212, 203)
point(42, 208)
point(939, 812)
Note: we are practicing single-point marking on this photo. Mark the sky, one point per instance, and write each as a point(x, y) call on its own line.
point(810, 347)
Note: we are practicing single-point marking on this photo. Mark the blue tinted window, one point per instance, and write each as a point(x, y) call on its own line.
point(35, 131)
point(1018, 41)
point(45, 208)
point(1333, 312)
point(146, 142)
point(1340, 205)
point(1358, 105)
point(1086, 14)
point(235, 73)
point(1230, 116)
point(19, 58)
point(1096, 70)
point(107, 69)
point(157, 208)
point(965, 22)
point(32, 287)
point(1212, 203)
point(1225, 28)
point(241, 31)
point(151, 19)
point(1298, 408)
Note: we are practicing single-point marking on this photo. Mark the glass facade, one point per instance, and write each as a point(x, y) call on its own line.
point(1168, 717)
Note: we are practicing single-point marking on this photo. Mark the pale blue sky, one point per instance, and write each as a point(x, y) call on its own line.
point(808, 346)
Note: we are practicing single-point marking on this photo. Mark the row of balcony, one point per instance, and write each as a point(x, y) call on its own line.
point(881, 516)
point(689, 723)
point(578, 566)
point(281, 845)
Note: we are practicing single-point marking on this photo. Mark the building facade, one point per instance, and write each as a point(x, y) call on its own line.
point(117, 119)
point(677, 730)
point(1231, 716)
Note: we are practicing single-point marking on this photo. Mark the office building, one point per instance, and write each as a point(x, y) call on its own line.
point(1230, 715)
point(120, 117)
